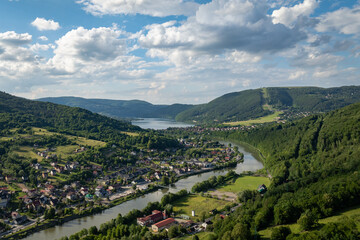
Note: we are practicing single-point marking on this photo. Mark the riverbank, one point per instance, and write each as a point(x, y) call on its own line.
point(139, 202)
point(249, 148)
point(59, 221)
point(88, 212)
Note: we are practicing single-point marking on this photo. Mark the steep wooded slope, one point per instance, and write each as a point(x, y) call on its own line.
point(20, 112)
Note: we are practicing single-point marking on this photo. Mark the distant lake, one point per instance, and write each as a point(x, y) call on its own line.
point(158, 123)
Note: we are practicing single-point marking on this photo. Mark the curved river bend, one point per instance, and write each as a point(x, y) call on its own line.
point(74, 226)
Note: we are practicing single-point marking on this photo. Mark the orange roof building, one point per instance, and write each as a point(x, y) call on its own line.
point(157, 227)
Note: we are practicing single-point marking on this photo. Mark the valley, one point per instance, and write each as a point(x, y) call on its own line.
point(54, 173)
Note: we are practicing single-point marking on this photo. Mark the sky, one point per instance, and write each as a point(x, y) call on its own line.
point(175, 51)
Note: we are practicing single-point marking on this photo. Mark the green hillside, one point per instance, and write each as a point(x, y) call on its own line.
point(18, 112)
point(253, 104)
point(314, 163)
point(121, 108)
point(230, 107)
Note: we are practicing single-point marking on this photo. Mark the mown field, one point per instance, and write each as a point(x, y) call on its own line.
point(199, 204)
point(245, 183)
point(269, 118)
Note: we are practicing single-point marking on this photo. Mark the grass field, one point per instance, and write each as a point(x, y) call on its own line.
point(245, 183)
point(269, 118)
point(64, 151)
point(198, 203)
point(295, 228)
point(132, 134)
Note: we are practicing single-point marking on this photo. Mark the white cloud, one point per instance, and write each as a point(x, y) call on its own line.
point(289, 15)
point(40, 47)
point(42, 24)
point(296, 75)
point(344, 20)
point(217, 27)
point(43, 38)
point(157, 8)
point(15, 39)
point(81, 46)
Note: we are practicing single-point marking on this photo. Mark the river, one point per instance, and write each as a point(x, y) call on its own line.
point(158, 123)
point(250, 164)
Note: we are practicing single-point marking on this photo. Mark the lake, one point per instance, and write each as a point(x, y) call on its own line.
point(158, 123)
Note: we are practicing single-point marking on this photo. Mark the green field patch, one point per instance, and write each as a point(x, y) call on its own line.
point(352, 213)
point(204, 159)
point(87, 142)
point(269, 118)
point(27, 152)
point(245, 183)
point(132, 134)
point(197, 203)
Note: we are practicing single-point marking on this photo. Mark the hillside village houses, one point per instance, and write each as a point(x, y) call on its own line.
point(115, 182)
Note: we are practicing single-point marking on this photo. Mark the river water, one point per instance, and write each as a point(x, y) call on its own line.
point(250, 164)
point(158, 123)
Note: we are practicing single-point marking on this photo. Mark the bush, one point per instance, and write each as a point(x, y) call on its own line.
point(280, 233)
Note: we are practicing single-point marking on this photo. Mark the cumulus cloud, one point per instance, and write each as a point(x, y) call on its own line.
point(289, 15)
point(42, 24)
point(15, 39)
point(344, 20)
point(43, 38)
point(82, 45)
point(40, 47)
point(157, 8)
point(219, 26)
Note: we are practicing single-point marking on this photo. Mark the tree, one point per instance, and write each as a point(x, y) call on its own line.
point(195, 237)
point(308, 220)
point(280, 233)
point(93, 230)
point(49, 213)
point(173, 231)
point(165, 180)
point(202, 216)
point(241, 231)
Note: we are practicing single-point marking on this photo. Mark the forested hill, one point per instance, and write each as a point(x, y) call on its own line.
point(19, 112)
point(251, 104)
point(121, 108)
point(315, 164)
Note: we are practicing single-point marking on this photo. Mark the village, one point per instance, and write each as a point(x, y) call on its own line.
point(91, 184)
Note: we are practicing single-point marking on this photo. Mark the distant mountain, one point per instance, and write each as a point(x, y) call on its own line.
point(18, 112)
point(121, 108)
point(236, 106)
point(252, 104)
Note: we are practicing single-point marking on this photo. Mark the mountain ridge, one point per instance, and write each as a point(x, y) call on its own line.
point(230, 107)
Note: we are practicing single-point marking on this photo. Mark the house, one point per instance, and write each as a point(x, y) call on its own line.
point(4, 198)
point(206, 223)
point(100, 191)
point(53, 172)
point(84, 191)
point(214, 211)
point(59, 169)
point(18, 219)
point(37, 166)
point(150, 219)
point(157, 227)
point(71, 196)
point(45, 175)
point(262, 189)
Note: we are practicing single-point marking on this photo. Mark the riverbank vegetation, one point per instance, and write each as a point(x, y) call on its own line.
point(315, 167)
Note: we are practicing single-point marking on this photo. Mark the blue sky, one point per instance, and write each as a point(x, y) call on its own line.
point(168, 51)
